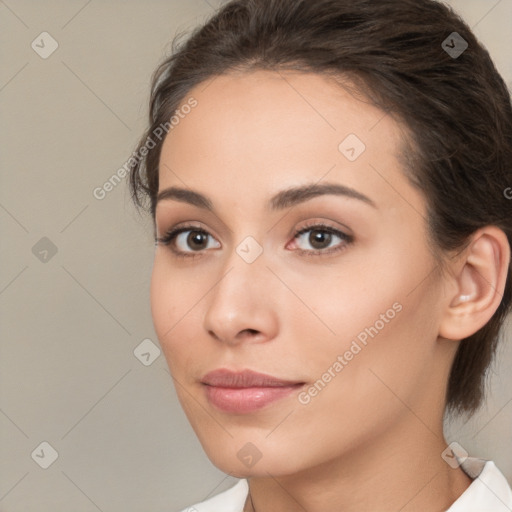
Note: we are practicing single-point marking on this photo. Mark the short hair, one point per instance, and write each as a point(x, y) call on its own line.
point(455, 107)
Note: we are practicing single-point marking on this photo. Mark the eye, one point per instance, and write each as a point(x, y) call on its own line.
point(322, 238)
point(181, 239)
point(191, 241)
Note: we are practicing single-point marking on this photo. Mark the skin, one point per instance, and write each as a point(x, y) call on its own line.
point(372, 438)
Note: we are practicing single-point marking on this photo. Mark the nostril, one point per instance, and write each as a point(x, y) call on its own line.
point(211, 333)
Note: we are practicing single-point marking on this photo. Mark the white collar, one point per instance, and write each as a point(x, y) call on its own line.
point(489, 491)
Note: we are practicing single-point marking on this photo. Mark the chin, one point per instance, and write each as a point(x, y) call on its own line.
point(243, 459)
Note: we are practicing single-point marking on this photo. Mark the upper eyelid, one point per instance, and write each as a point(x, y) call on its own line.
point(184, 226)
point(310, 225)
point(323, 225)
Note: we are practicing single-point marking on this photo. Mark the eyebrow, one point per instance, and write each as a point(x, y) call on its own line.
point(283, 199)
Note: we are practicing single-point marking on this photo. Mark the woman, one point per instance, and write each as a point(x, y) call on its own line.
point(332, 263)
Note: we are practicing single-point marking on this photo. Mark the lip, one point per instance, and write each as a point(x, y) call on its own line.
point(245, 391)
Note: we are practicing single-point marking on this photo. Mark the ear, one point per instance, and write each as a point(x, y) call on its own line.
point(478, 281)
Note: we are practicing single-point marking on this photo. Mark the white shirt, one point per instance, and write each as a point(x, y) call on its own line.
point(489, 492)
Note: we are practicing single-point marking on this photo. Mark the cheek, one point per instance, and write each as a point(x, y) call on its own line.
point(362, 386)
point(384, 345)
point(162, 299)
point(375, 313)
point(342, 303)
point(171, 306)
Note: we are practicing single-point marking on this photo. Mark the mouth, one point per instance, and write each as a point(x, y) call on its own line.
point(245, 391)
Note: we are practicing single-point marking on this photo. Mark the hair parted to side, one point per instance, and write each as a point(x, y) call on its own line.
point(457, 111)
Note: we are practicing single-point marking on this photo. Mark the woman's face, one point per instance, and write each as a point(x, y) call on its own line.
point(346, 313)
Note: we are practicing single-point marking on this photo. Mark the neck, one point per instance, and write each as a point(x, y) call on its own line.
point(405, 472)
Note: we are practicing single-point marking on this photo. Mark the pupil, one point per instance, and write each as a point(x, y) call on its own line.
point(196, 238)
point(320, 238)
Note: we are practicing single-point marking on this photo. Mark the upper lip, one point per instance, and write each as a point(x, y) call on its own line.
point(225, 378)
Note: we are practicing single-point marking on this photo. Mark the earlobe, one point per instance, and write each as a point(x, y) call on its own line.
point(479, 276)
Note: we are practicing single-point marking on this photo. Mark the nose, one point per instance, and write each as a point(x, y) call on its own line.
point(242, 304)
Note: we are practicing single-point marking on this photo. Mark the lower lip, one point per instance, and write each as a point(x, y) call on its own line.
point(246, 400)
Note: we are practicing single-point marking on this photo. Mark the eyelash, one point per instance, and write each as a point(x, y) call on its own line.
point(171, 235)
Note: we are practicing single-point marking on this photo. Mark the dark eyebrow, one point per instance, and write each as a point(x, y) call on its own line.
point(284, 199)
point(292, 196)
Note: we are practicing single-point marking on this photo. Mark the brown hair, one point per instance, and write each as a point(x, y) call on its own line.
point(456, 108)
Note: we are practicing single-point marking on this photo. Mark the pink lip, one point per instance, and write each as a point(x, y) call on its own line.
point(245, 391)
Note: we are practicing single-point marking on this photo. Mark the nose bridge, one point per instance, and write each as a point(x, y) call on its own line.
point(244, 271)
point(241, 299)
point(244, 267)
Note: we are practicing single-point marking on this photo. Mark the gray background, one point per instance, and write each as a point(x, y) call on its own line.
point(70, 323)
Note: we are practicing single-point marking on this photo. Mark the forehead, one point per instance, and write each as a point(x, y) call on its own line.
point(257, 105)
point(262, 131)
